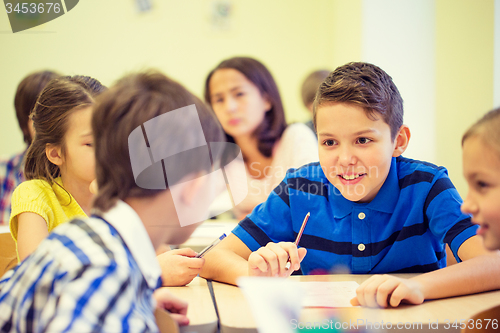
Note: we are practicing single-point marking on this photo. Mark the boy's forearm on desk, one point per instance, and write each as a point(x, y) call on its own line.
point(472, 276)
point(224, 266)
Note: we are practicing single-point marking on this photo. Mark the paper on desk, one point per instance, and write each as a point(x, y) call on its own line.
point(274, 302)
point(329, 294)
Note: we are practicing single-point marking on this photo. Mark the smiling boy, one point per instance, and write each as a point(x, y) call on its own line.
point(372, 210)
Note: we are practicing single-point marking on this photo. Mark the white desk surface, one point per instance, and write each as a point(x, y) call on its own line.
point(201, 311)
point(235, 314)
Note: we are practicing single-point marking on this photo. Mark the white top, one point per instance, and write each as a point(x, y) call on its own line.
point(298, 146)
point(130, 227)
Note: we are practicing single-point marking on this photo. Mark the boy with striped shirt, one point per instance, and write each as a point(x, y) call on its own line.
point(101, 273)
point(372, 211)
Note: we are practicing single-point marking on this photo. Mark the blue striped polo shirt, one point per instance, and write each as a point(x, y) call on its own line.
point(402, 230)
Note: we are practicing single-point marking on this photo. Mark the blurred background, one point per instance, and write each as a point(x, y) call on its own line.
point(444, 55)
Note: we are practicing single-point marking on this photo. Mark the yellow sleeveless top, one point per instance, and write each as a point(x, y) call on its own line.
point(51, 202)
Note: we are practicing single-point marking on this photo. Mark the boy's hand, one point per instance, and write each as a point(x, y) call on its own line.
point(385, 290)
point(179, 267)
point(177, 307)
point(271, 259)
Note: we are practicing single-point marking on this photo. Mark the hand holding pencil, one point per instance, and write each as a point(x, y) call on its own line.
point(299, 235)
point(277, 259)
point(181, 266)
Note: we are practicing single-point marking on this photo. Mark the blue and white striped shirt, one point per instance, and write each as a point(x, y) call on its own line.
point(88, 275)
point(402, 230)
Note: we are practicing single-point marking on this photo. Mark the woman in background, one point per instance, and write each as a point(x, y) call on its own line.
point(246, 100)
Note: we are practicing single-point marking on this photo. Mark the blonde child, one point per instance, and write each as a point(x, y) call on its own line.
point(59, 164)
point(481, 162)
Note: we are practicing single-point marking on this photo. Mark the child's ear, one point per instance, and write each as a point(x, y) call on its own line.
point(401, 141)
point(54, 154)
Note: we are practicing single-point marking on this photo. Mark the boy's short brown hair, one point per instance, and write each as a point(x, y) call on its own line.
point(365, 85)
point(134, 100)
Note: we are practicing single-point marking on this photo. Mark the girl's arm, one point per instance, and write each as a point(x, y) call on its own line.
point(477, 273)
point(32, 229)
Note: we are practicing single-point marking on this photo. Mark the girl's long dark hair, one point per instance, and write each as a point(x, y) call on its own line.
point(50, 117)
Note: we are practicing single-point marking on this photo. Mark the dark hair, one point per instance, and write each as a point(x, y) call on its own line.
point(487, 128)
point(274, 123)
point(126, 106)
point(27, 93)
point(60, 98)
point(311, 84)
point(365, 85)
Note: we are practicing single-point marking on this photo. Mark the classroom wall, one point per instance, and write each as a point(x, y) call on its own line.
point(464, 76)
point(439, 52)
point(345, 21)
point(108, 38)
point(403, 44)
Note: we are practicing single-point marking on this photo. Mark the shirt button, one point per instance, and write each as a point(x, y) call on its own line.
point(361, 216)
point(361, 247)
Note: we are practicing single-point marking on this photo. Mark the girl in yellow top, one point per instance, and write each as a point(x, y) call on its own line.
point(59, 164)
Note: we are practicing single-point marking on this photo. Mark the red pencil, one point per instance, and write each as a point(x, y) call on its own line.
point(302, 229)
point(299, 235)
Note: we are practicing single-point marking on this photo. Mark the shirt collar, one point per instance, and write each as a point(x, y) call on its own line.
point(130, 227)
point(385, 201)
